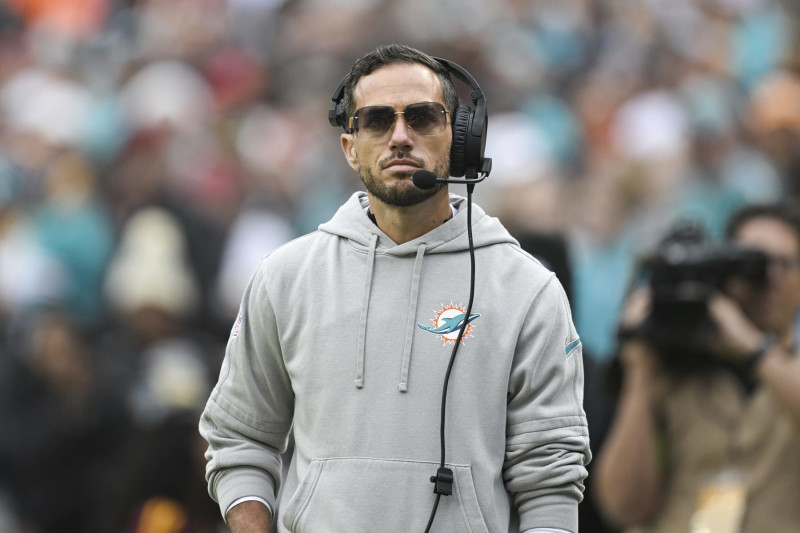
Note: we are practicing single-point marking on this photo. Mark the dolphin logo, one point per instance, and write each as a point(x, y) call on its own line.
point(450, 325)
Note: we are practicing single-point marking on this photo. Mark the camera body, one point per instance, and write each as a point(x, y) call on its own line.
point(683, 274)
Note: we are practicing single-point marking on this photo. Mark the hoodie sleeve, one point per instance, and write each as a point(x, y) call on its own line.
point(247, 418)
point(547, 440)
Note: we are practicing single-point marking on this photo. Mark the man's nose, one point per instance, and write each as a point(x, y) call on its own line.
point(401, 134)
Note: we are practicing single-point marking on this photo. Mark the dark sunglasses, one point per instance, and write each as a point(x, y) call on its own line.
point(424, 118)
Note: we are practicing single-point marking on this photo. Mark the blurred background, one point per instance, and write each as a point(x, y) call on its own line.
point(152, 151)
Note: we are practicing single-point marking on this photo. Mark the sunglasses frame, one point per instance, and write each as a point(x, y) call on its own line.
point(353, 121)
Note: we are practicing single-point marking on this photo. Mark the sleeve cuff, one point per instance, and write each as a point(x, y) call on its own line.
point(239, 483)
point(248, 499)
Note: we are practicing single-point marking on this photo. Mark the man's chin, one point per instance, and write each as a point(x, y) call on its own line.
point(404, 193)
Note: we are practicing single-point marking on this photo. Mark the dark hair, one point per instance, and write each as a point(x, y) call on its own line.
point(390, 54)
point(783, 212)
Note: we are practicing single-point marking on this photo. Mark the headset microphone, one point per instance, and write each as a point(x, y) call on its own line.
point(425, 179)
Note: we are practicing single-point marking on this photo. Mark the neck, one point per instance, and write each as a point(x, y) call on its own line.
point(403, 224)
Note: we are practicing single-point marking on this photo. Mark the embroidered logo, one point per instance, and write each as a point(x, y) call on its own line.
point(571, 346)
point(236, 326)
point(448, 321)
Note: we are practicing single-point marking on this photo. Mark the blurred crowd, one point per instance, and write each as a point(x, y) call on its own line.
point(151, 151)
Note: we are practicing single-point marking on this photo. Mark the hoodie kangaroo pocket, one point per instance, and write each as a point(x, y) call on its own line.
point(354, 495)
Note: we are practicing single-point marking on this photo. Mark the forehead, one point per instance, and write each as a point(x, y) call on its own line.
point(398, 84)
point(770, 235)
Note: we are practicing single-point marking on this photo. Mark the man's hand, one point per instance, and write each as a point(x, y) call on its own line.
point(250, 517)
point(638, 356)
point(738, 336)
point(637, 308)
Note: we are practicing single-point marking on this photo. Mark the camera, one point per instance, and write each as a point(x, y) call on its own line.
point(683, 274)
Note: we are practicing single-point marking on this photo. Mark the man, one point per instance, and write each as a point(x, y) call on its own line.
point(715, 449)
point(344, 338)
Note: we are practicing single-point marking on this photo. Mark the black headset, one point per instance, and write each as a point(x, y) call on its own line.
point(468, 125)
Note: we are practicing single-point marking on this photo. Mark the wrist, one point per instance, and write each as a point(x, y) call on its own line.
point(637, 356)
point(754, 357)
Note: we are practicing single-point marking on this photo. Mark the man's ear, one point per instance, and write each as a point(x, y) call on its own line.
point(349, 149)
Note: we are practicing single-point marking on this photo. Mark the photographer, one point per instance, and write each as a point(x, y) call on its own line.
point(713, 446)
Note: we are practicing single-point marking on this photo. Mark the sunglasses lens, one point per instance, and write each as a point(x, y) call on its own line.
point(374, 121)
point(426, 118)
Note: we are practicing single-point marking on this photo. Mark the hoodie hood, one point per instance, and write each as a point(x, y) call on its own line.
point(352, 223)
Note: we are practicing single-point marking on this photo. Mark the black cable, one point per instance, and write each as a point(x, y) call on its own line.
point(433, 513)
point(463, 329)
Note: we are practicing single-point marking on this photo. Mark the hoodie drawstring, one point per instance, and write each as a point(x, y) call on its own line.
point(412, 319)
point(362, 326)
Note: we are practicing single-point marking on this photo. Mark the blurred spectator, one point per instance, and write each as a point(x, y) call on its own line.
point(774, 113)
point(149, 272)
point(603, 244)
point(63, 424)
point(28, 276)
point(74, 229)
point(166, 475)
point(167, 93)
point(256, 232)
point(161, 361)
point(76, 18)
point(705, 433)
point(164, 368)
point(720, 147)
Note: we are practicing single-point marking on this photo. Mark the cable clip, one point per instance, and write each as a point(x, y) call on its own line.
point(443, 481)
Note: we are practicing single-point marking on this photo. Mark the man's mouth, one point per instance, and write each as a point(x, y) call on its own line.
point(402, 165)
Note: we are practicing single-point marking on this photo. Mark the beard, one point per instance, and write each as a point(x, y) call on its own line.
point(401, 191)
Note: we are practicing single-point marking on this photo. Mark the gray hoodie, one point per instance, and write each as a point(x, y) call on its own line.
point(343, 339)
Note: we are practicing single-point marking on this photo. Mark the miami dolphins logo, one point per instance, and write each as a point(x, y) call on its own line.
point(448, 321)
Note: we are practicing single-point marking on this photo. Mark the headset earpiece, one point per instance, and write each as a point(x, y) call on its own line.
point(474, 161)
point(469, 129)
point(336, 114)
point(458, 150)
